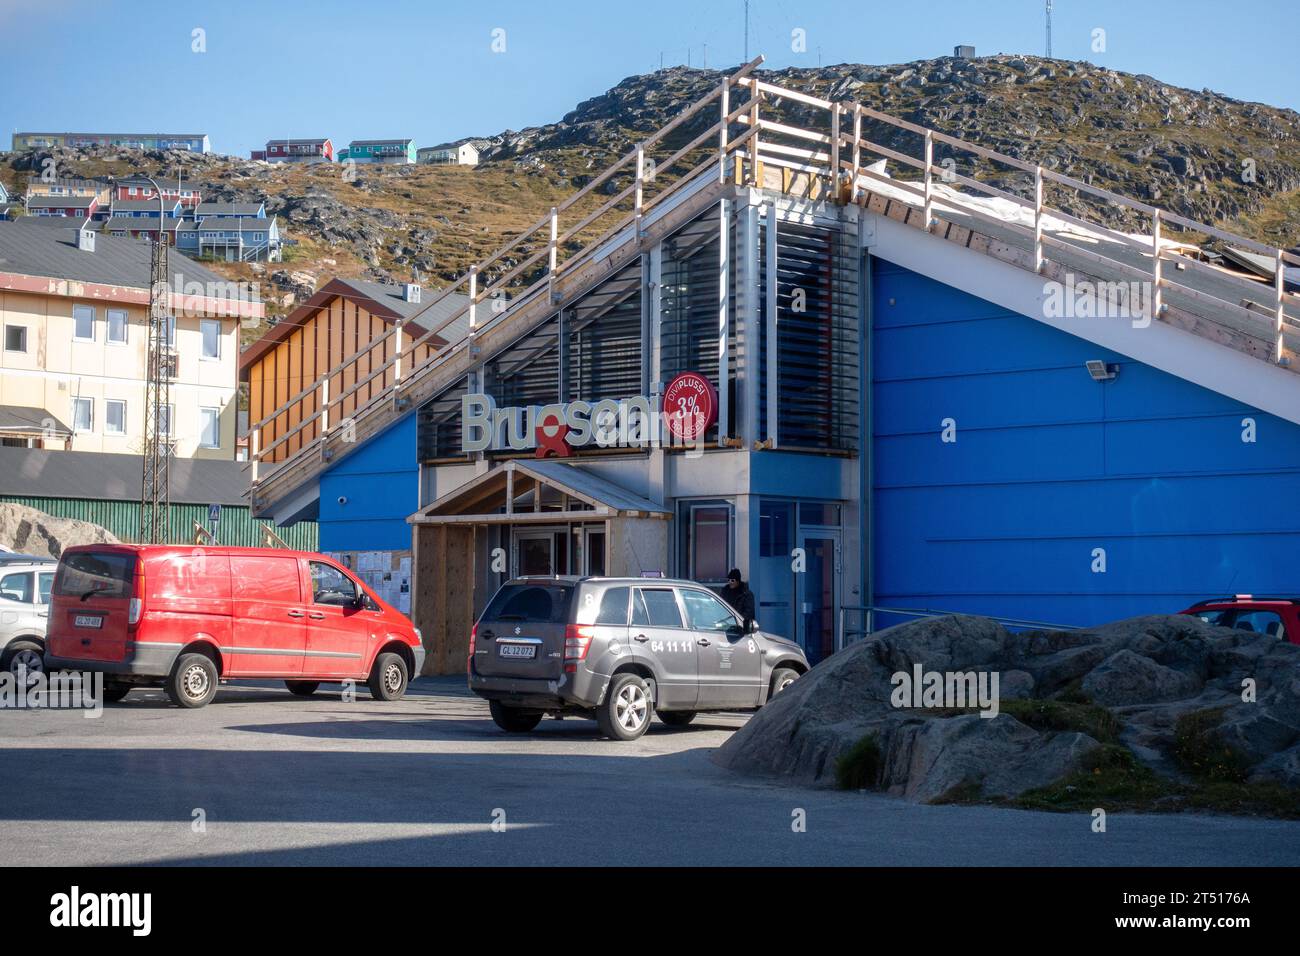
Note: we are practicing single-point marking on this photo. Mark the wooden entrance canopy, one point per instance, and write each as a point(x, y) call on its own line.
point(451, 541)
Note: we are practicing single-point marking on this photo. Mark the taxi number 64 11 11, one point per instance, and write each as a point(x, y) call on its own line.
point(672, 647)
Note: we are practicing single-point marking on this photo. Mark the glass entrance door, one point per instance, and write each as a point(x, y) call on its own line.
point(819, 593)
point(534, 553)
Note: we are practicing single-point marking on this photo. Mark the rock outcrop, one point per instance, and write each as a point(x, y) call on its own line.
point(1145, 681)
point(30, 531)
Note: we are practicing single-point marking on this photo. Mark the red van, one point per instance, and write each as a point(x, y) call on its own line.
point(187, 617)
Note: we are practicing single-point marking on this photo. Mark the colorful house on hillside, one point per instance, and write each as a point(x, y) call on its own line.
point(143, 227)
point(138, 187)
point(194, 142)
point(233, 231)
point(397, 152)
point(81, 207)
point(448, 154)
point(136, 208)
point(296, 151)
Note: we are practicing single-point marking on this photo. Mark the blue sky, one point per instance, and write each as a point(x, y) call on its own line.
point(427, 69)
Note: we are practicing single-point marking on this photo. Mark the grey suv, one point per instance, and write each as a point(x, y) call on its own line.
point(620, 650)
point(24, 614)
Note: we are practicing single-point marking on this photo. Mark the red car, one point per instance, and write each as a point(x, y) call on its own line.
point(1276, 616)
point(186, 618)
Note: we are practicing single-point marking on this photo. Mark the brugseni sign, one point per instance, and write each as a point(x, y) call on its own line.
point(690, 407)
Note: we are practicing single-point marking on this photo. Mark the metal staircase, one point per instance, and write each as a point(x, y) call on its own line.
point(823, 155)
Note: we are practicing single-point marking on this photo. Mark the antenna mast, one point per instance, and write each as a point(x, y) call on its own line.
point(1049, 29)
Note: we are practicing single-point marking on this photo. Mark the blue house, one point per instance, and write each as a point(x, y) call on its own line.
point(236, 232)
point(128, 208)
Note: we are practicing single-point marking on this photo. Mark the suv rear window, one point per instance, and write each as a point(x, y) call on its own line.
point(101, 573)
point(534, 603)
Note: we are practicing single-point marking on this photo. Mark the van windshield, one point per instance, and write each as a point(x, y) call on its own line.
point(84, 574)
point(534, 603)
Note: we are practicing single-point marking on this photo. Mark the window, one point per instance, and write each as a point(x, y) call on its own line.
point(165, 419)
point(17, 587)
point(613, 607)
point(708, 542)
point(210, 427)
point(117, 323)
point(211, 332)
point(704, 612)
point(331, 586)
point(656, 607)
point(535, 603)
point(15, 338)
point(169, 331)
point(1213, 617)
point(101, 573)
point(46, 585)
point(114, 417)
point(775, 528)
point(83, 414)
point(1261, 622)
point(83, 323)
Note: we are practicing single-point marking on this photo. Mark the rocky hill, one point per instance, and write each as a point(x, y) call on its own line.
point(1179, 148)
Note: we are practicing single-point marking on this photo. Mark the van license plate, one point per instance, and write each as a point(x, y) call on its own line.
point(522, 651)
point(88, 620)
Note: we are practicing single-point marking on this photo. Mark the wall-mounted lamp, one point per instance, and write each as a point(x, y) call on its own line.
point(1101, 371)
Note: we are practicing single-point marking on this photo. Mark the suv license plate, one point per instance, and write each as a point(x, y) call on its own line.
point(88, 620)
point(521, 651)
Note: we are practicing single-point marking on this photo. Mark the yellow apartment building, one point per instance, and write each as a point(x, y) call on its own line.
point(74, 309)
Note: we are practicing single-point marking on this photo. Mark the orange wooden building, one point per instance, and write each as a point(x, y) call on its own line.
point(344, 319)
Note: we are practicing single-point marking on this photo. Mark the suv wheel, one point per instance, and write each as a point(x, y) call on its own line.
point(513, 720)
point(388, 677)
point(676, 718)
point(625, 714)
point(193, 681)
point(782, 678)
point(24, 660)
point(302, 688)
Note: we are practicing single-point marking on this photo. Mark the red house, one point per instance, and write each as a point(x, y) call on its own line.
point(296, 151)
point(82, 207)
point(137, 187)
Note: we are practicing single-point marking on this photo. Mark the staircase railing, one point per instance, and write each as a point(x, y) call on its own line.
point(835, 151)
point(555, 253)
point(838, 151)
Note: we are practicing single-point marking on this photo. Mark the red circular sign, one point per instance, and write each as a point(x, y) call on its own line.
point(691, 406)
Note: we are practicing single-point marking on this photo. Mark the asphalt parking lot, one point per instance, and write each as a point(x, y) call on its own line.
point(262, 777)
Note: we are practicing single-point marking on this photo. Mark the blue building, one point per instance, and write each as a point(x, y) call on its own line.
point(875, 392)
point(236, 232)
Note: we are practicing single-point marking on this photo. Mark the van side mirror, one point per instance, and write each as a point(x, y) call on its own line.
point(359, 601)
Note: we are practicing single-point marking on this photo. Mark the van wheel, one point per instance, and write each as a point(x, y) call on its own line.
point(24, 660)
point(302, 688)
point(626, 712)
point(511, 719)
point(388, 677)
point(782, 678)
point(676, 718)
point(113, 692)
point(193, 681)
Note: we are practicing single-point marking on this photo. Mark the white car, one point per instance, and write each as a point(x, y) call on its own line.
point(24, 614)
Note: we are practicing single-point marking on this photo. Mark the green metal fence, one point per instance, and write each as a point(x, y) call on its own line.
point(122, 518)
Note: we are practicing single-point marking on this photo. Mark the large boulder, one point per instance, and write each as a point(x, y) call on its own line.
point(1150, 677)
point(30, 531)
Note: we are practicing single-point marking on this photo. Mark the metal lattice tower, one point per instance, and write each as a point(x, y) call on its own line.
point(155, 494)
point(1049, 29)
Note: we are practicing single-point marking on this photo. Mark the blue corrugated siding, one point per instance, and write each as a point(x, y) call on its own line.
point(380, 482)
point(1049, 465)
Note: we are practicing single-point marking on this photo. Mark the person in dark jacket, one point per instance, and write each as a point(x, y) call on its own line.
point(740, 597)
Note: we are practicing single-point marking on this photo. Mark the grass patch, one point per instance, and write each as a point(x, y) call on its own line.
point(1199, 750)
point(858, 767)
point(1059, 715)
